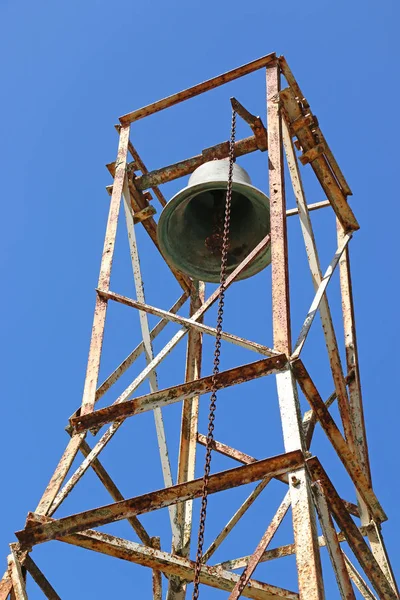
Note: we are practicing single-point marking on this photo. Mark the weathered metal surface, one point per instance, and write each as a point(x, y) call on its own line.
point(359, 582)
point(130, 359)
point(187, 445)
point(298, 93)
point(174, 565)
point(234, 453)
point(332, 544)
point(304, 526)
point(226, 237)
point(350, 338)
point(189, 322)
point(346, 455)
point(59, 474)
point(198, 89)
point(378, 548)
point(178, 336)
point(320, 165)
point(140, 165)
point(246, 459)
point(179, 392)
point(17, 579)
point(316, 273)
point(40, 579)
point(315, 206)
point(107, 436)
point(187, 166)
point(73, 480)
point(235, 519)
point(317, 298)
point(333, 164)
point(161, 498)
point(353, 536)
point(256, 124)
point(144, 214)
point(279, 262)
point(297, 435)
point(259, 551)
point(157, 575)
point(148, 348)
point(96, 343)
point(5, 585)
point(272, 554)
point(134, 355)
point(114, 492)
point(307, 551)
point(310, 420)
point(312, 154)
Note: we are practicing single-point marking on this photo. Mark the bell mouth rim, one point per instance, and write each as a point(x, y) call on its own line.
point(192, 190)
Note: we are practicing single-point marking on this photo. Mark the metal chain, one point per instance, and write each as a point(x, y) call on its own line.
point(217, 352)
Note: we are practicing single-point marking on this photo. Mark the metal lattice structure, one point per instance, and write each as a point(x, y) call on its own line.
point(309, 493)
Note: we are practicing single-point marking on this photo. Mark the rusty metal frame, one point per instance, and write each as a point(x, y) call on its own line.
point(291, 127)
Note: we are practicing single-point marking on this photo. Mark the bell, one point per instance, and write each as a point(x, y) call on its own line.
point(190, 227)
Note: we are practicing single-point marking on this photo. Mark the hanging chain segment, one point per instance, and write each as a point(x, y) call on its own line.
point(217, 352)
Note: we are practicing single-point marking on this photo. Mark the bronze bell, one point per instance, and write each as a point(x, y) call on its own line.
point(191, 225)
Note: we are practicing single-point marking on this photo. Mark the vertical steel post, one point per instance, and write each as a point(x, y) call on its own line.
point(188, 443)
point(96, 343)
point(307, 549)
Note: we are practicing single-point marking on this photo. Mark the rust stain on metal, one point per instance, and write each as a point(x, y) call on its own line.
point(179, 392)
point(59, 474)
point(320, 165)
point(187, 166)
point(346, 455)
point(279, 262)
point(353, 535)
point(159, 499)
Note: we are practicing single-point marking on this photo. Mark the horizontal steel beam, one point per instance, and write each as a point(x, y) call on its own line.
point(246, 459)
point(177, 393)
point(110, 513)
point(198, 89)
point(173, 565)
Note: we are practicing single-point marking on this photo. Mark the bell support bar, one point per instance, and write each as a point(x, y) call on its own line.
point(188, 165)
point(180, 392)
point(198, 89)
point(224, 480)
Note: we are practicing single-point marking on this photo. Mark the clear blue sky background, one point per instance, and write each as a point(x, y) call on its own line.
point(69, 69)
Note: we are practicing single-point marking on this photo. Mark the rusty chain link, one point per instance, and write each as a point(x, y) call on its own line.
point(217, 352)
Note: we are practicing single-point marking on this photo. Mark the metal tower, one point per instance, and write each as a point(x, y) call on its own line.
point(292, 130)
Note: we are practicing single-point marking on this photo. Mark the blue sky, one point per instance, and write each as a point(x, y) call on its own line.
point(69, 70)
